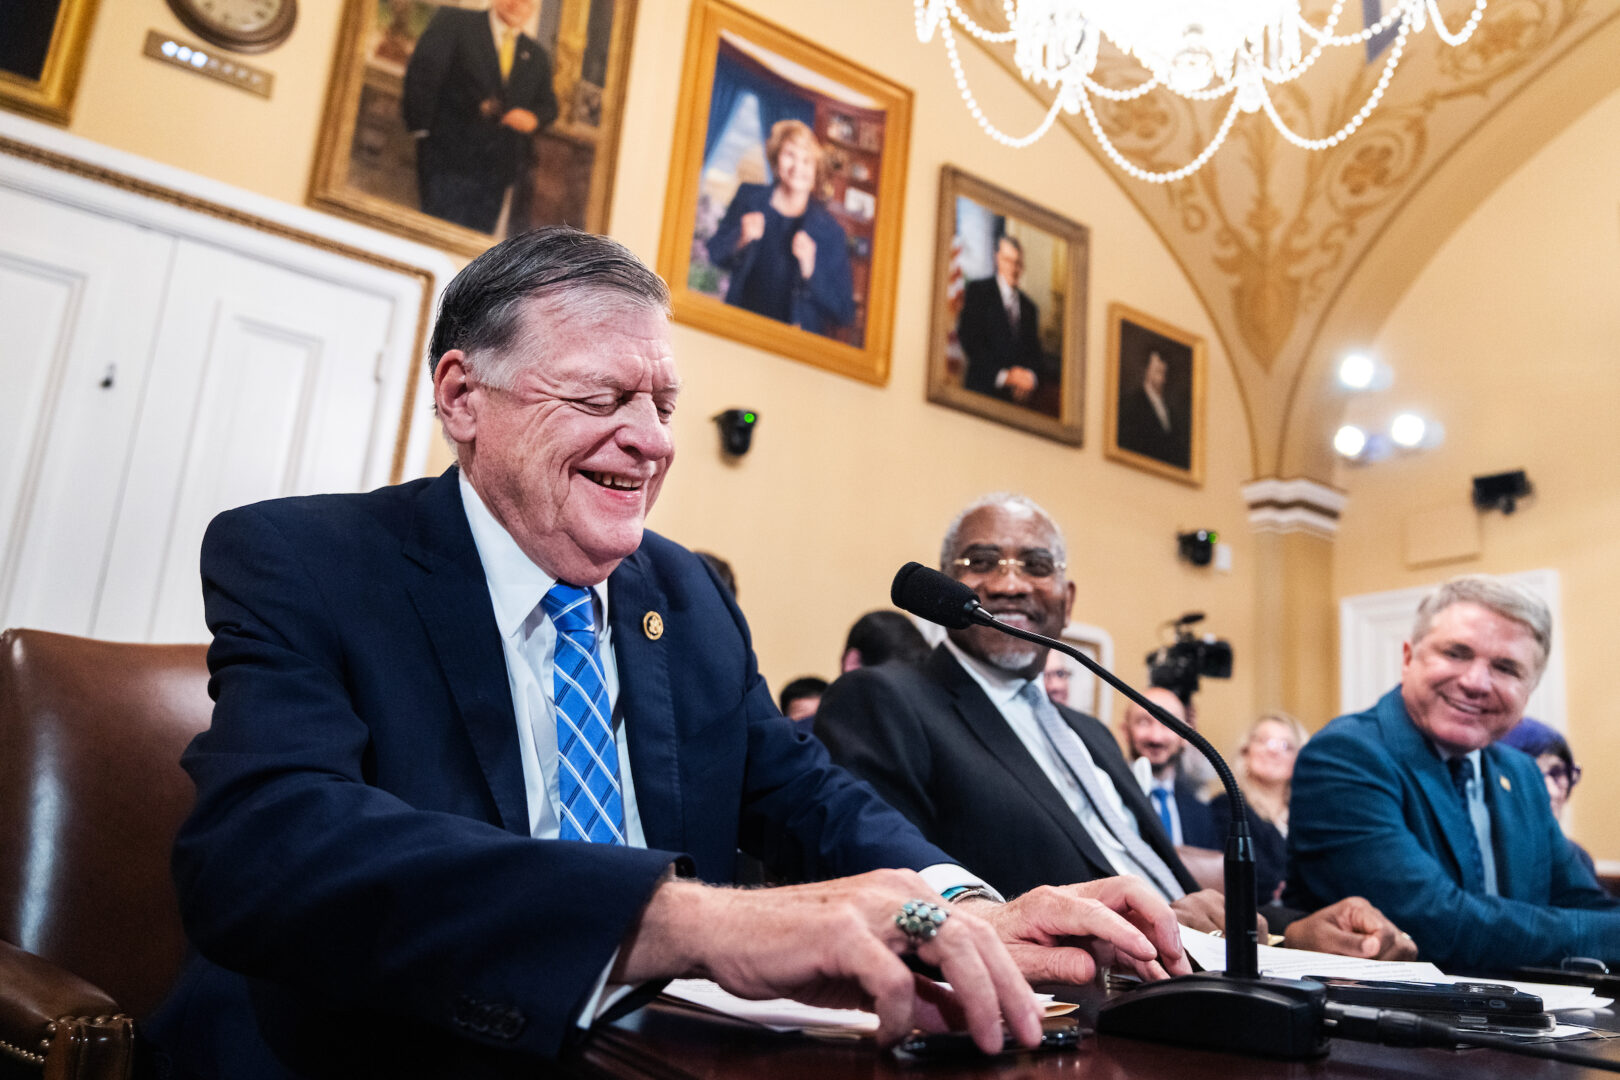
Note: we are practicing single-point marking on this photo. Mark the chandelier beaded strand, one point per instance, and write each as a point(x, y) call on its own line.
point(1202, 50)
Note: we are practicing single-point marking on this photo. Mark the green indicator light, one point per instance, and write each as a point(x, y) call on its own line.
point(748, 418)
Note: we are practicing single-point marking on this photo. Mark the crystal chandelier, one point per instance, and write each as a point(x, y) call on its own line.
point(1203, 50)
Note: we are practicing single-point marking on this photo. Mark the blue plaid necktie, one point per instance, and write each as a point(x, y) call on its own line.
point(590, 806)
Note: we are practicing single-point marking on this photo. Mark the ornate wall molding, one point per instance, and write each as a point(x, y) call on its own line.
point(1296, 504)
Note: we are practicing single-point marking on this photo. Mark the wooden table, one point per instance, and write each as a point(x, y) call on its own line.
point(669, 1042)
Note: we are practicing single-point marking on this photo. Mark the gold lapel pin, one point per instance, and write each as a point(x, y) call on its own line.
point(652, 624)
point(1506, 786)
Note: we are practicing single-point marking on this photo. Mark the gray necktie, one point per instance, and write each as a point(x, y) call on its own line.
point(1074, 756)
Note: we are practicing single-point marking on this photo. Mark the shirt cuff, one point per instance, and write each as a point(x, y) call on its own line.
point(942, 876)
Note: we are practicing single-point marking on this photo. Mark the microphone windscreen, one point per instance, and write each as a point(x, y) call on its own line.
point(934, 596)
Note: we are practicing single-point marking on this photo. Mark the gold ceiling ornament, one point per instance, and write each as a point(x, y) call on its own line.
point(1238, 54)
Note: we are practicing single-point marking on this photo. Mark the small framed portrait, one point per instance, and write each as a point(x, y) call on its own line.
point(42, 45)
point(782, 221)
point(1155, 414)
point(464, 122)
point(1009, 324)
point(1068, 682)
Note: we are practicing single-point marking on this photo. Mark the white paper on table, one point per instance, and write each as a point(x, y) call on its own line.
point(1210, 952)
point(784, 1014)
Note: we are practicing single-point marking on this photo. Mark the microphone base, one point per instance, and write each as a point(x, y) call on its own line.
point(1263, 1017)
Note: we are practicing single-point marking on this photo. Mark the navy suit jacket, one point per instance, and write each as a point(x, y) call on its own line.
point(821, 304)
point(988, 341)
point(1374, 812)
point(359, 849)
point(939, 751)
point(1197, 821)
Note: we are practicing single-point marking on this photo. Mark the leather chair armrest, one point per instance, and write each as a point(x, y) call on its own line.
point(54, 1020)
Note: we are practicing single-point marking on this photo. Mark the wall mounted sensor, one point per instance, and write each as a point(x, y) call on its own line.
point(1501, 491)
point(736, 430)
point(1198, 546)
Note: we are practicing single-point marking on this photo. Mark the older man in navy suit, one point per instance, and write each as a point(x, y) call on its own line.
point(476, 90)
point(1413, 804)
point(484, 751)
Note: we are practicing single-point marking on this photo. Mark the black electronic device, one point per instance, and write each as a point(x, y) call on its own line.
point(1237, 1010)
point(960, 1044)
point(1491, 999)
point(736, 430)
point(1178, 667)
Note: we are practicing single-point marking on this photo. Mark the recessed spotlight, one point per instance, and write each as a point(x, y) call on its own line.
point(1408, 430)
point(1357, 371)
point(1350, 441)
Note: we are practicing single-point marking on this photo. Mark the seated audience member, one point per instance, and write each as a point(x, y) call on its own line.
point(969, 747)
point(1412, 804)
point(1182, 813)
point(483, 749)
point(1265, 766)
point(1557, 764)
point(722, 570)
point(799, 700)
point(1057, 677)
point(880, 636)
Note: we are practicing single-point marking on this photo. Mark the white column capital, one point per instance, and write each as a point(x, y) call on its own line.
point(1294, 505)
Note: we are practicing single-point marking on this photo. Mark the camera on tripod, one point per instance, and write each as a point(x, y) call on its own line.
point(1178, 667)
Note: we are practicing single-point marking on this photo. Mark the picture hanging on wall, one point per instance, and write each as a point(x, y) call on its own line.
point(1155, 413)
point(42, 47)
point(782, 220)
point(1009, 304)
point(451, 125)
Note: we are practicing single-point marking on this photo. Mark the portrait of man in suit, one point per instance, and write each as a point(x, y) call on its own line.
point(999, 332)
point(477, 89)
point(1155, 385)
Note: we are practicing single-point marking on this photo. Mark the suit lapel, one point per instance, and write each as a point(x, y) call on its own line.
point(1433, 779)
point(451, 597)
point(991, 729)
point(646, 703)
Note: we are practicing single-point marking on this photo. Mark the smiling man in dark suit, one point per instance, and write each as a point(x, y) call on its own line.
point(999, 331)
point(483, 748)
point(476, 90)
point(1024, 792)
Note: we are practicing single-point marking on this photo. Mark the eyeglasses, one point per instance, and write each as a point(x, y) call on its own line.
point(1032, 564)
point(1277, 744)
point(1566, 776)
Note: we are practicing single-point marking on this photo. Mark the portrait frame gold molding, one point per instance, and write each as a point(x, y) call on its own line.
point(1058, 411)
point(359, 73)
point(864, 150)
point(50, 95)
point(1135, 436)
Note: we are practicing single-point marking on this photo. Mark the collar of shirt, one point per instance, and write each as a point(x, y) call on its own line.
point(1001, 688)
point(516, 583)
point(1009, 293)
point(499, 28)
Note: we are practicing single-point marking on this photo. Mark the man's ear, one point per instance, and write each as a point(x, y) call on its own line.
point(1069, 592)
point(453, 397)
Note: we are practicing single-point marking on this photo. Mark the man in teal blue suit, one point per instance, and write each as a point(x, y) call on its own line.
point(484, 750)
point(1412, 804)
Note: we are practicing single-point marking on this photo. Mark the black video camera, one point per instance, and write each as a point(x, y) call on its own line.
point(1178, 667)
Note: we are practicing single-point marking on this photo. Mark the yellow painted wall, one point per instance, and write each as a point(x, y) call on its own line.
point(846, 481)
point(1511, 338)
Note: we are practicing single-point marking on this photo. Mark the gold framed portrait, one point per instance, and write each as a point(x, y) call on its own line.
point(1155, 413)
point(1008, 338)
point(42, 48)
point(782, 220)
point(460, 124)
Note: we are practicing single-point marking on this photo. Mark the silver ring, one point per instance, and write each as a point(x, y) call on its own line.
point(920, 920)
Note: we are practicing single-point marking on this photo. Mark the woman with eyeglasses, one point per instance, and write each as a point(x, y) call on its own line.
point(1265, 774)
point(1552, 753)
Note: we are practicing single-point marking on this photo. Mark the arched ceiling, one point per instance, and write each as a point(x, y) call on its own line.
point(1299, 255)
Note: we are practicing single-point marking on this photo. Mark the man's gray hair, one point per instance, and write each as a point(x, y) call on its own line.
point(581, 273)
point(953, 534)
point(1503, 597)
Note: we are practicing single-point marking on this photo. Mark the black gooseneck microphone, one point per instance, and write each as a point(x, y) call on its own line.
point(1237, 1010)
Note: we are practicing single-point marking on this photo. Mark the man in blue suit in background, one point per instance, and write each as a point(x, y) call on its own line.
point(1413, 805)
point(483, 748)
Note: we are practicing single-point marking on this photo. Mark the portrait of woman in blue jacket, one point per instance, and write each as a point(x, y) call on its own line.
point(788, 256)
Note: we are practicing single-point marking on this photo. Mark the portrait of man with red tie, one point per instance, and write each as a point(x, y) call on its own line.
point(477, 89)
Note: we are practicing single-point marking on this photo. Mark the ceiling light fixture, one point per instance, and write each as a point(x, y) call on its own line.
point(1407, 430)
point(1203, 50)
point(1350, 441)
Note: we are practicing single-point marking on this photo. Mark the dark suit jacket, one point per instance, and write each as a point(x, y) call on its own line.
point(820, 304)
point(1197, 824)
point(359, 848)
point(1270, 846)
point(988, 341)
point(1139, 431)
point(1374, 812)
point(937, 749)
point(468, 159)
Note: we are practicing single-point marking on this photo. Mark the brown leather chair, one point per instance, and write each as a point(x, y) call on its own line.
point(91, 793)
